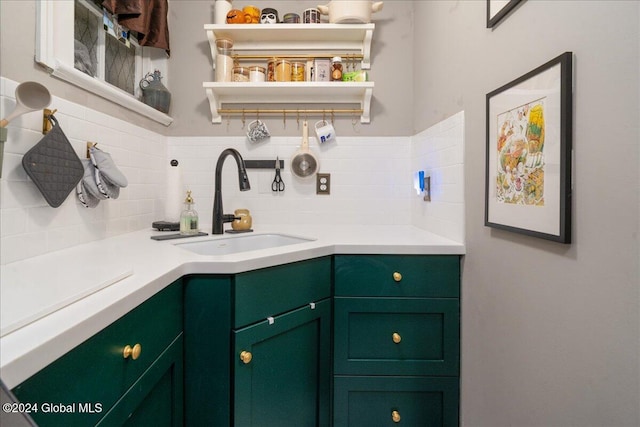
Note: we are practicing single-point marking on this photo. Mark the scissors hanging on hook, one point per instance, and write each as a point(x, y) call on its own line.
point(277, 184)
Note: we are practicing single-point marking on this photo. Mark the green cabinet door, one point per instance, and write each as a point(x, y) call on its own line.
point(96, 374)
point(156, 399)
point(282, 370)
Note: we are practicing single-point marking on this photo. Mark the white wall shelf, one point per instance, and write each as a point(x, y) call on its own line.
point(280, 40)
point(255, 94)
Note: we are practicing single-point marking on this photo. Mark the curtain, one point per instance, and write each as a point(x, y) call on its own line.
point(147, 17)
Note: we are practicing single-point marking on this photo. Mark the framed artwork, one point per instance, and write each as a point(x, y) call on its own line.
point(528, 158)
point(498, 9)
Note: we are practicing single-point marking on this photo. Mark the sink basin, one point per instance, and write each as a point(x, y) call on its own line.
point(233, 245)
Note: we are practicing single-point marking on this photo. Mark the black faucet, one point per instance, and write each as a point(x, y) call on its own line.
point(219, 218)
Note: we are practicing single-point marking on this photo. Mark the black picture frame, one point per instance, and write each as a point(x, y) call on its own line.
point(497, 10)
point(528, 153)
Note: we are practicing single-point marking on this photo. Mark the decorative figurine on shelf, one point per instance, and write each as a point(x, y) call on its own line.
point(154, 93)
point(269, 16)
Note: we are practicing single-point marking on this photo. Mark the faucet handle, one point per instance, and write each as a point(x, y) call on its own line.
point(229, 218)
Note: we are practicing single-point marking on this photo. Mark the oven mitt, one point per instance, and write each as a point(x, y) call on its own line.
point(107, 176)
point(87, 189)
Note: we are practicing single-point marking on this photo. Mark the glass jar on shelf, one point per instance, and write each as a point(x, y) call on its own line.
point(240, 74)
point(224, 60)
point(297, 71)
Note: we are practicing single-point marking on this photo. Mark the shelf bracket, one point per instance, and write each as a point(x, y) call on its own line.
point(216, 118)
point(366, 106)
point(366, 50)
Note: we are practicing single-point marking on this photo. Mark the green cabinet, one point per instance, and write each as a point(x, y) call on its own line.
point(258, 346)
point(95, 383)
point(282, 369)
point(396, 340)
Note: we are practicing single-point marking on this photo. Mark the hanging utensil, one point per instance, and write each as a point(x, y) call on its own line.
point(278, 184)
point(304, 164)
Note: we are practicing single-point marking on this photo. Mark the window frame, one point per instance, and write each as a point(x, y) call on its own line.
point(55, 50)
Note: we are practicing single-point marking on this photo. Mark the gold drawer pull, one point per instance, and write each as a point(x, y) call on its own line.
point(396, 338)
point(397, 276)
point(395, 416)
point(246, 357)
point(134, 351)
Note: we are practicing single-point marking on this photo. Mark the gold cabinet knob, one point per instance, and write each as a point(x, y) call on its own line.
point(395, 416)
point(133, 352)
point(396, 338)
point(397, 276)
point(246, 357)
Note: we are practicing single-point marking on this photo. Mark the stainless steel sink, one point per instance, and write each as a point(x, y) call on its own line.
point(233, 245)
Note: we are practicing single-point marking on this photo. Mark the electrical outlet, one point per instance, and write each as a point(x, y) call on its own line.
point(323, 183)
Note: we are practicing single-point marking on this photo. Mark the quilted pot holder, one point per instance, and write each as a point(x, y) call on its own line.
point(53, 165)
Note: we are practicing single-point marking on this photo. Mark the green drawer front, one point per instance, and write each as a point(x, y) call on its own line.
point(428, 329)
point(422, 275)
point(271, 291)
point(418, 401)
point(95, 371)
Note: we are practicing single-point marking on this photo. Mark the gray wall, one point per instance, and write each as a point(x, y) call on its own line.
point(550, 332)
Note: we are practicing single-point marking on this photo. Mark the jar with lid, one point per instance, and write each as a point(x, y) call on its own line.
point(297, 71)
point(224, 60)
point(336, 69)
point(271, 70)
point(240, 74)
point(283, 70)
point(257, 73)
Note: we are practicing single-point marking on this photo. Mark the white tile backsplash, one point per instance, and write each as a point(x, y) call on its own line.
point(371, 180)
point(439, 151)
point(30, 227)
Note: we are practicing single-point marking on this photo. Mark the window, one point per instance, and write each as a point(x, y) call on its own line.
point(72, 42)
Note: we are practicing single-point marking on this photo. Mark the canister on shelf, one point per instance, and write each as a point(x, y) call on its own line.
point(322, 70)
point(224, 61)
point(256, 73)
point(297, 71)
point(271, 70)
point(291, 18)
point(283, 70)
point(336, 69)
point(240, 74)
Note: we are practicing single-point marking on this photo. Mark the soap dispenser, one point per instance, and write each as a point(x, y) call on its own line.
point(189, 217)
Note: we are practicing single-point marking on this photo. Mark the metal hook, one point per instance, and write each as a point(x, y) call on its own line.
point(284, 119)
point(243, 119)
point(354, 121)
point(298, 118)
point(228, 122)
point(324, 116)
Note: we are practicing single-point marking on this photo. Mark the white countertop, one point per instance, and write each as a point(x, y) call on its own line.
point(54, 302)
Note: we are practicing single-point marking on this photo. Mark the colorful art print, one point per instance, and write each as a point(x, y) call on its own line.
point(520, 151)
point(528, 143)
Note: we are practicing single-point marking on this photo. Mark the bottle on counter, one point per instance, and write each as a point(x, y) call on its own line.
point(189, 217)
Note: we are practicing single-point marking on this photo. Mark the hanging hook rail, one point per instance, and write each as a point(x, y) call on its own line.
point(323, 112)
